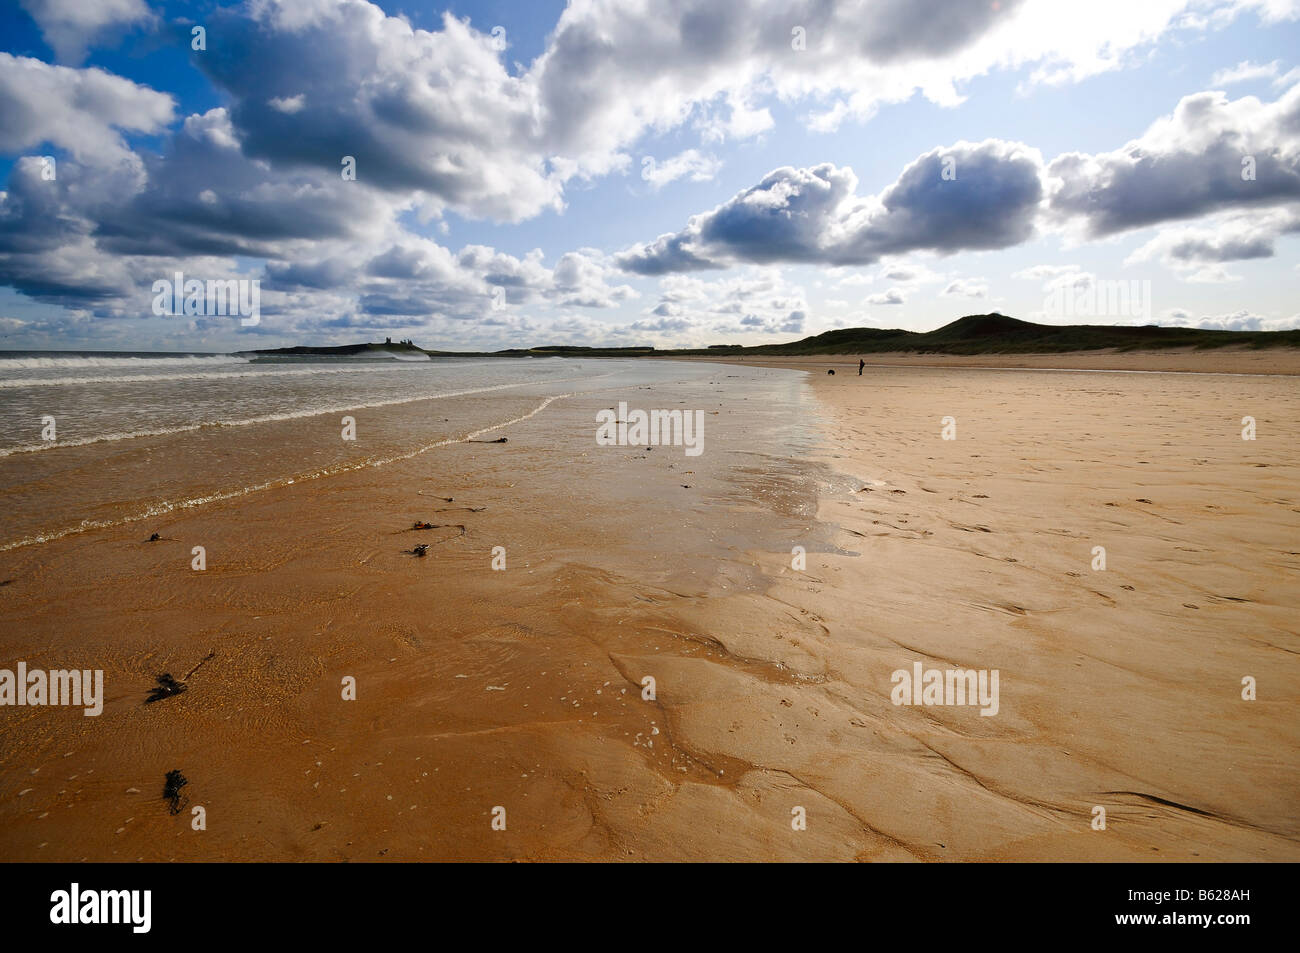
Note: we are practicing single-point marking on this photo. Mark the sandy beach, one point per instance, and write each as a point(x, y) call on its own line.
point(827, 537)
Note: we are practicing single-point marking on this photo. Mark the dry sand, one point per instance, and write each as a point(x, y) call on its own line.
point(521, 689)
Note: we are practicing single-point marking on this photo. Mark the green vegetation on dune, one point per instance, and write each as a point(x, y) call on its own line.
point(999, 334)
point(562, 350)
point(340, 350)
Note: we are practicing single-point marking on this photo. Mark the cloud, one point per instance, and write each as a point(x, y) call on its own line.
point(892, 296)
point(1210, 155)
point(419, 280)
point(855, 278)
point(439, 112)
point(755, 301)
point(69, 26)
point(257, 213)
point(612, 70)
point(83, 111)
point(1242, 320)
point(910, 273)
point(663, 325)
point(1244, 72)
point(430, 112)
point(96, 238)
point(1270, 11)
point(288, 104)
point(581, 279)
point(814, 215)
point(1210, 275)
point(690, 164)
point(1046, 272)
point(964, 288)
point(1058, 279)
point(1233, 237)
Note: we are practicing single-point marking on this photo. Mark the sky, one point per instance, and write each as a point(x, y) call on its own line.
point(674, 173)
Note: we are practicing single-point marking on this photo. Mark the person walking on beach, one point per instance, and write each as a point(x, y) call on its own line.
point(861, 365)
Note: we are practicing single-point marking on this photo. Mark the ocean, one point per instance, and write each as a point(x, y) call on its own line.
point(96, 397)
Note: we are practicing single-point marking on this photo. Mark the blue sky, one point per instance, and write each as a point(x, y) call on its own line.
point(614, 173)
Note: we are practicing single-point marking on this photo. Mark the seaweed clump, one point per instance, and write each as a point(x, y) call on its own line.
point(166, 688)
point(172, 790)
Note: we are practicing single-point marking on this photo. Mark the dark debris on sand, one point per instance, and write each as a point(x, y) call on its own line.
point(166, 688)
point(422, 549)
point(172, 790)
point(169, 687)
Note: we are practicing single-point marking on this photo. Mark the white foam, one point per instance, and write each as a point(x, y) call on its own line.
point(272, 418)
point(106, 360)
point(158, 509)
point(251, 369)
point(192, 376)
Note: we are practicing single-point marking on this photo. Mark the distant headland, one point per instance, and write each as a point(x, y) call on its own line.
point(973, 334)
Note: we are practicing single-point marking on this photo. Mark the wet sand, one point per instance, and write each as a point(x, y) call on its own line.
point(522, 688)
